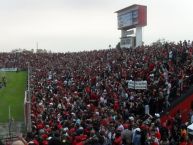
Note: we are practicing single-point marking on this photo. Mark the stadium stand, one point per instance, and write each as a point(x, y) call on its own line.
point(83, 98)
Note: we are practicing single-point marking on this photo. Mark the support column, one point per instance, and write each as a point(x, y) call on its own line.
point(138, 36)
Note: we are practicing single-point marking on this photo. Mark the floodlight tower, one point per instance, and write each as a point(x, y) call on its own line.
point(130, 21)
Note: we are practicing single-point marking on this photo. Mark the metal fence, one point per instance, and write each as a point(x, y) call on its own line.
point(10, 131)
point(8, 140)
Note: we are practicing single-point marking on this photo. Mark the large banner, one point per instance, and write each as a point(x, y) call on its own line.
point(138, 85)
point(8, 69)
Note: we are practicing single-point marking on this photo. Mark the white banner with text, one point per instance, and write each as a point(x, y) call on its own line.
point(138, 85)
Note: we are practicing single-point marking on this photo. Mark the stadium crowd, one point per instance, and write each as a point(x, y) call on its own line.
point(83, 98)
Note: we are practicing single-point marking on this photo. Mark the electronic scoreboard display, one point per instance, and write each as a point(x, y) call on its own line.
point(132, 16)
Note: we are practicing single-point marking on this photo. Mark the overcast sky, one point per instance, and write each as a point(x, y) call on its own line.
point(77, 25)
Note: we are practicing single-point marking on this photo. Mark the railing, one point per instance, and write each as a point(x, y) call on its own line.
point(15, 128)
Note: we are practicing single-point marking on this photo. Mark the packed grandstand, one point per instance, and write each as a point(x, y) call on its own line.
point(83, 98)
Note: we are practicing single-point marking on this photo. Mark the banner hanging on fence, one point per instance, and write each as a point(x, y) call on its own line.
point(8, 69)
point(138, 85)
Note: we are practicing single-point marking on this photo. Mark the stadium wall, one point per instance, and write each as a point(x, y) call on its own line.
point(27, 111)
point(27, 104)
point(184, 106)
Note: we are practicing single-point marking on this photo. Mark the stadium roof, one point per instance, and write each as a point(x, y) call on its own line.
point(129, 7)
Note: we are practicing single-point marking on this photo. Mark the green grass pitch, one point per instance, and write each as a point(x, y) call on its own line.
point(13, 95)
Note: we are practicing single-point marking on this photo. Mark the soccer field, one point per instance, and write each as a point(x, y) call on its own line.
point(13, 95)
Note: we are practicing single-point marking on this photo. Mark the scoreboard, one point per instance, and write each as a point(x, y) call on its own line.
point(132, 17)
